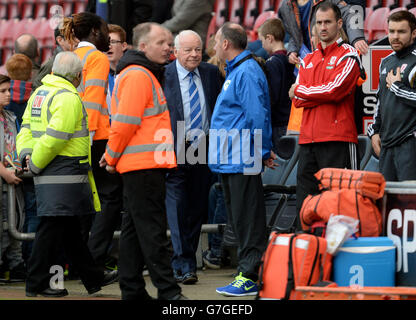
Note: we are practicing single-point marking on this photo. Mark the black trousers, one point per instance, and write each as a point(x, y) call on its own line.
point(397, 163)
point(110, 191)
point(143, 239)
point(246, 214)
point(54, 234)
point(316, 156)
point(187, 191)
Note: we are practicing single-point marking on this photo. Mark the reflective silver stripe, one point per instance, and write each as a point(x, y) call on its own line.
point(84, 123)
point(34, 168)
point(141, 148)
point(148, 148)
point(87, 54)
point(61, 179)
point(25, 125)
point(112, 153)
point(48, 114)
point(127, 119)
point(96, 106)
point(81, 87)
point(58, 134)
point(24, 152)
point(81, 134)
point(157, 107)
point(96, 82)
point(37, 134)
point(77, 134)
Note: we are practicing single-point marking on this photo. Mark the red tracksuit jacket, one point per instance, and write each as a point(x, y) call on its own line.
point(327, 81)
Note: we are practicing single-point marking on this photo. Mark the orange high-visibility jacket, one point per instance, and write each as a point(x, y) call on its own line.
point(93, 89)
point(140, 135)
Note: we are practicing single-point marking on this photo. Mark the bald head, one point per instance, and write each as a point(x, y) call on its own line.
point(27, 44)
point(235, 34)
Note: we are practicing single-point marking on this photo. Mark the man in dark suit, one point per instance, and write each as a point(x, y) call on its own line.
point(191, 88)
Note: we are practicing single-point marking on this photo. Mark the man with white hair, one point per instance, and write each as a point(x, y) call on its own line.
point(191, 88)
point(55, 146)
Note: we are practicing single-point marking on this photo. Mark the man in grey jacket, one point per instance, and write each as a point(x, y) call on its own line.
point(393, 132)
point(290, 13)
point(191, 14)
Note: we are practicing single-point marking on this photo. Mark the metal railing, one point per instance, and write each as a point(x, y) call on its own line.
point(16, 234)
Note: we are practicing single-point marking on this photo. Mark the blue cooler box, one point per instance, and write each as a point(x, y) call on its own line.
point(366, 262)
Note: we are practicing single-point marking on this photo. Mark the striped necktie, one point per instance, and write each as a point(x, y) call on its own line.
point(195, 105)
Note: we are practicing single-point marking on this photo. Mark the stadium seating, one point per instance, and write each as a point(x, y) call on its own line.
point(79, 6)
point(374, 4)
point(221, 12)
point(13, 11)
point(236, 11)
point(27, 9)
point(375, 24)
point(253, 34)
point(391, 4)
point(68, 7)
point(33, 16)
point(251, 11)
point(407, 3)
point(3, 10)
point(277, 5)
point(265, 5)
point(212, 29)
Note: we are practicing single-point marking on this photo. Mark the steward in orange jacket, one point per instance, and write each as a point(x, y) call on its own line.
point(141, 135)
point(93, 88)
point(140, 148)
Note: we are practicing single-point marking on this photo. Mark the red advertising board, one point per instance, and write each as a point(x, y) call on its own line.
point(371, 63)
point(399, 216)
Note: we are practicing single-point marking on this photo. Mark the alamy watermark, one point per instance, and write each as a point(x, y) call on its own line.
point(356, 20)
point(226, 147)
point(57, 280)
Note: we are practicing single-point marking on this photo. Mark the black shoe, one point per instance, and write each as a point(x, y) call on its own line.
point(179, 296)
point(177, 275)
point(18, 273)
point(109, 278)
point(49, 293)
point(189, 278)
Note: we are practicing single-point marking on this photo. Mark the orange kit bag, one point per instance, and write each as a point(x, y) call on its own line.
point(347, 202)
point(290, 260)
point(367, 183)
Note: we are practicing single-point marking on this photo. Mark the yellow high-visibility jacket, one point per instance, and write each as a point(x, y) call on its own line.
point(55, 133)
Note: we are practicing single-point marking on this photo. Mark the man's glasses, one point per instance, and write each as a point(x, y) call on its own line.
point(112, 42)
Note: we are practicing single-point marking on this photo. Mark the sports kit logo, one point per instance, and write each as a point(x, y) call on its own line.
point(226, 84)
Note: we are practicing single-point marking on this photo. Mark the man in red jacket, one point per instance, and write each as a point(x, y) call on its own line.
point(325, 89)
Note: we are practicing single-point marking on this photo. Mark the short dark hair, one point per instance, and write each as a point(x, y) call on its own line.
point(273, 27)
point(327, 5)
point(4, 78)
point(81, 25)
point(403, 15)
point(235, 34)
